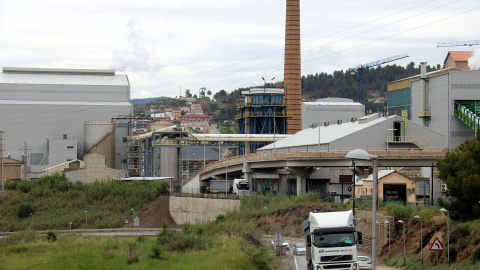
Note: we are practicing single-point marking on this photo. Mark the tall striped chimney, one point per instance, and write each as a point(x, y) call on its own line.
point(292, 75)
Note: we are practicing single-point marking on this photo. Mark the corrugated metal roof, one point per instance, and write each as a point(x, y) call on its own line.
point(328, 134)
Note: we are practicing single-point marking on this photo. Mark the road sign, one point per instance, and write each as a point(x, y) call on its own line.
point(126, 221)
point(436, 245)
point(136, 221)
point(70, 223)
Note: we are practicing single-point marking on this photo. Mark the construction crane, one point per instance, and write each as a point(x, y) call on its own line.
point(360, 69)
point(458, 43)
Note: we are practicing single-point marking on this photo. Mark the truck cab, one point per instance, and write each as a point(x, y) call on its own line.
point(241, 187)
point(331, 240)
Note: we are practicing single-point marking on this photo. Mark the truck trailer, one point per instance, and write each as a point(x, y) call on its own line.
point(331, 241)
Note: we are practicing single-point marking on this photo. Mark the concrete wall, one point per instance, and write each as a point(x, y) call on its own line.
point(193, 210)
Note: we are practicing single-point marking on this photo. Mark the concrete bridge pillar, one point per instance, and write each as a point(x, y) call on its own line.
point(248, 176)
point(283, 183)
point(301, 174)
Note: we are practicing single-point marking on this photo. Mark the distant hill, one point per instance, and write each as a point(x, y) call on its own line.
point(138, 101)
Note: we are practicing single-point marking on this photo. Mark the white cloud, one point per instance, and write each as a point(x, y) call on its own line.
point(219, 44)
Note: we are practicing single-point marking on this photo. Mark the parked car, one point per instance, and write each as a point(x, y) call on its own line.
point(364, 262)
point(299, 249)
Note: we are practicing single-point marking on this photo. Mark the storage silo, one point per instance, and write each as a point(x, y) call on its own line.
point(168, 154)
point(100, 138)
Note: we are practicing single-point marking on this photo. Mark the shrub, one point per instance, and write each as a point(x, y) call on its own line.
point(220, 218)
point(259, 257)
point(51, 236)
point(22, 237)
point(133, 253)
point(398, 210)
point(156, 252)
point(459, 232)
point(24, 210)
point(475, 255)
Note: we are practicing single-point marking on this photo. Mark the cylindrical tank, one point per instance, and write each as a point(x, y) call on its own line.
point(169, 162)
point(100, 138)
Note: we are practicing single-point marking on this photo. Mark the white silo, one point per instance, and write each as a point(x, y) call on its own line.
point(100, 138)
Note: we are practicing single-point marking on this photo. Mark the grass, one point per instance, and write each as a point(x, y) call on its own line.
point(54, 201)
point(87, 252)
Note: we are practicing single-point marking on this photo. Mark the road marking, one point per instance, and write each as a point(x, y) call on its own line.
point(296, 264)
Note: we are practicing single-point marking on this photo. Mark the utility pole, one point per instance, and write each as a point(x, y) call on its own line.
point(24, 159)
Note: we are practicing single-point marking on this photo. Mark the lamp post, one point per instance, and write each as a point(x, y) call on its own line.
point(430, 144)
point(403, 222)
point(266, 208)
point(448, 231)
point(133, 214)
point(362, 154)
point(421, 235)
point(389, 249)
point(86, 222)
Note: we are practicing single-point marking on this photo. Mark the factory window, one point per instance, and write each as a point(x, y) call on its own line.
point(69, 146)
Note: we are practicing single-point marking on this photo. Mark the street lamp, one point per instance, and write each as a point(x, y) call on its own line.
point(133, 214)
point(362, 154)
point(403, 222)
point(389, 249)
point(421, 235)
point(267, 218)
point(448, 231)
point(86, 222)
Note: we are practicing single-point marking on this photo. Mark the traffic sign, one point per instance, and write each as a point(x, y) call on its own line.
point(126, 221)
point(136, 221)
point(70, 223)
point(436, 245)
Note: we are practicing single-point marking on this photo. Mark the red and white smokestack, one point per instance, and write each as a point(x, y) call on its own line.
point(423, 87)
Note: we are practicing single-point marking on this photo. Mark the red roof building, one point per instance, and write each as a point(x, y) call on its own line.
point(458, 59)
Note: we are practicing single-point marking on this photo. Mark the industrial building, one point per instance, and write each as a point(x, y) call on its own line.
point(261, 110)
point(446, 101)
point(48, 115)
point(328, 111)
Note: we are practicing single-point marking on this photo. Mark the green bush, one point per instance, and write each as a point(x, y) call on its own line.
point(156, 252)
point(22, 237)
point(459, 232)
point(51, 236)
point(475, 255)
point(399, 210)
point(134, 252)
point(259, 257)
point(24, 210)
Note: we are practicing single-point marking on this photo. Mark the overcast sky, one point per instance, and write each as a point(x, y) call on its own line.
point(167, 46)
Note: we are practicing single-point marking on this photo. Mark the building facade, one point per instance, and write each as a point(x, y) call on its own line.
point(42, 106)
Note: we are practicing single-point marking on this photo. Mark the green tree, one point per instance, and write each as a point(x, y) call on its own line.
point(460, 169)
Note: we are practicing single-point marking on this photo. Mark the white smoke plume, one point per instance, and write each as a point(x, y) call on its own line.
point(139, 57)
point(474, 61)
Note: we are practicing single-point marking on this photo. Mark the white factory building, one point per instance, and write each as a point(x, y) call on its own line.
point(328, 111)
point(47, 114)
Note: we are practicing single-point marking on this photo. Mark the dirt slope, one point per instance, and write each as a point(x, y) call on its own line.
point(157, 211)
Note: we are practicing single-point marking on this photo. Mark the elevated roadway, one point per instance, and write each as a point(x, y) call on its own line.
point(302, 164)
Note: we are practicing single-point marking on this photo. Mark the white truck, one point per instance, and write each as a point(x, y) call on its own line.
point(240, 187)
point(237, 186)
point(330, 240)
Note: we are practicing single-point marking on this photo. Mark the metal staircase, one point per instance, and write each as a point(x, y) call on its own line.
point(468, 111)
